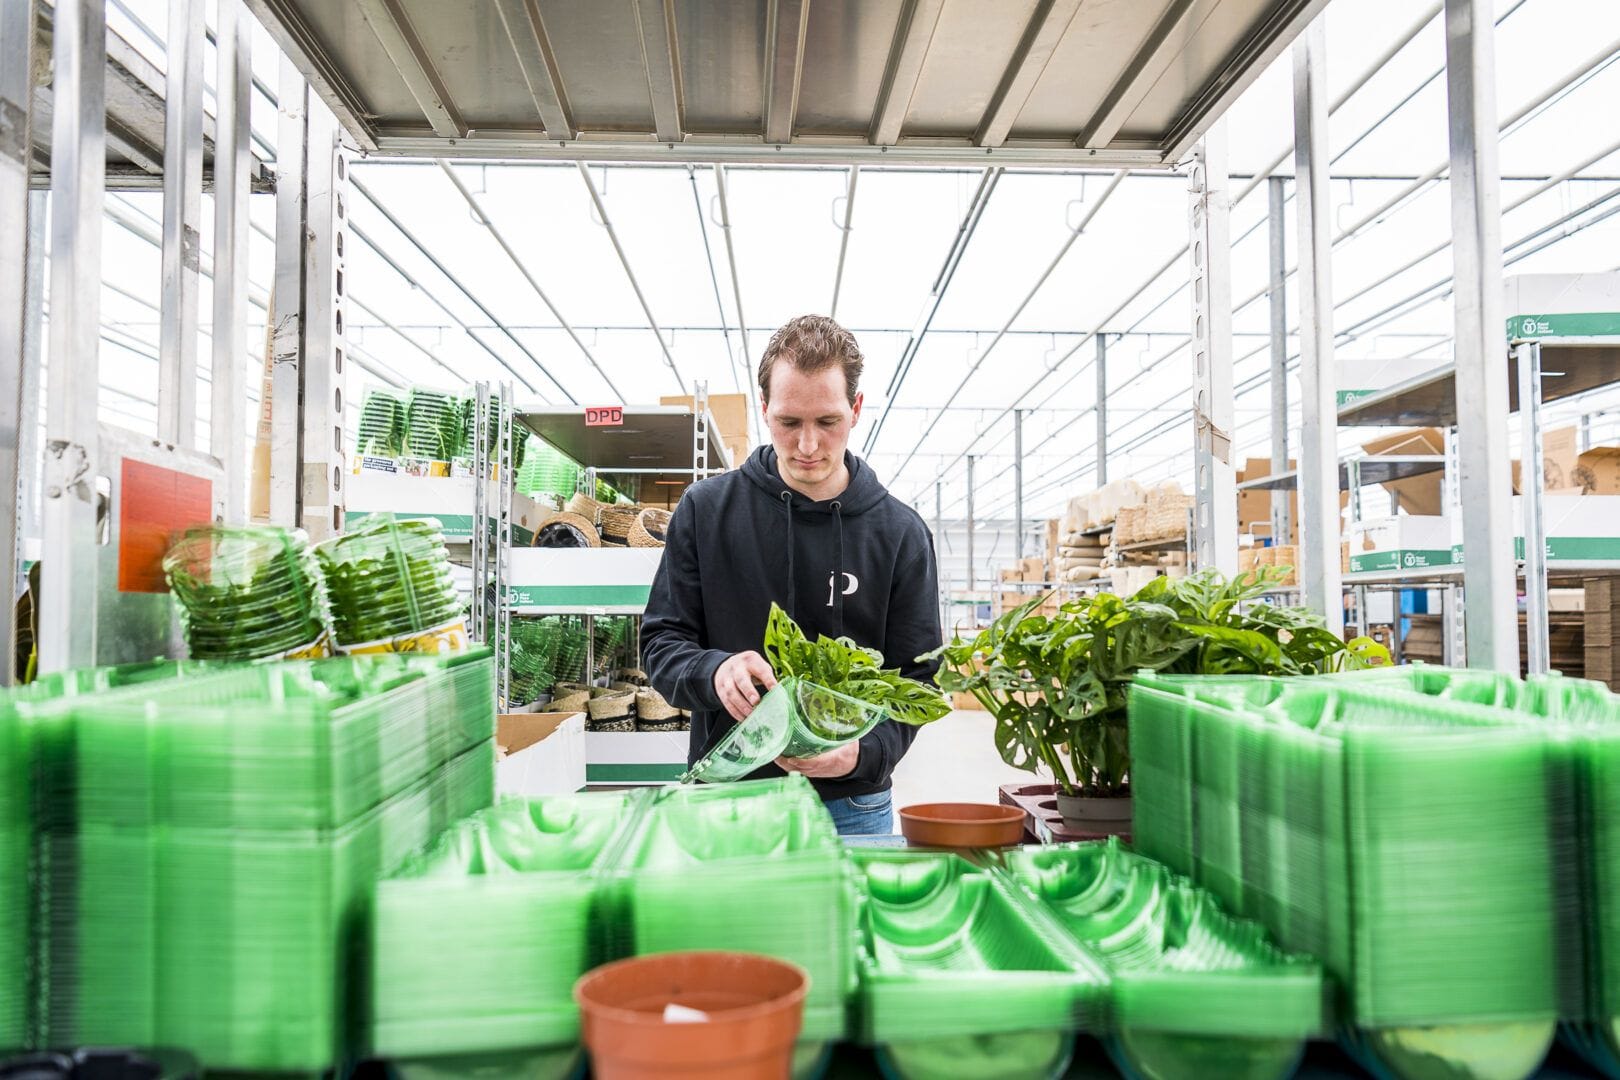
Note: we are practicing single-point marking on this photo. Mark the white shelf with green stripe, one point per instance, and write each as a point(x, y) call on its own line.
point(580, 581)
point(449, 499)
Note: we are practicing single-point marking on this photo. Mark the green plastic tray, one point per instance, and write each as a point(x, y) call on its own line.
point(796, 719)
point(962, 978)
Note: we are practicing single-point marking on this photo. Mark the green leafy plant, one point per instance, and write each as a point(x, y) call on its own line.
point(858, 672)
point(1057, 685)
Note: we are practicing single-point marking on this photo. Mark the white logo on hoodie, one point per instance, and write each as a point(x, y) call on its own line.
point(851, 584)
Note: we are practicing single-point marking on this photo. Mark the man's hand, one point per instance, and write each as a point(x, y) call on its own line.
point(832, 765)
point(734, 682)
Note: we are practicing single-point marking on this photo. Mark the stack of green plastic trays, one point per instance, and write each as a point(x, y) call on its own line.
point(433, 427)
point(388, 580)
point(965, 978)
point(534, 657)
point(546, 470)
point(1196, 992)
point(248, 592)
point(14, 902)
point(382, 423)
point(753, 867)
point(478, 942)
point(1401, 838)
point(1582, 725)
point(208, 846)
point(796, 719)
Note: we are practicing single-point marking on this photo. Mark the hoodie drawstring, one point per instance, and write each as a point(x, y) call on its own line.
point(787, 504)
point(838, 566)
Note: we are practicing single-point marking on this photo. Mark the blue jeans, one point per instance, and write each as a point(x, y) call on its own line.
point(863, 815)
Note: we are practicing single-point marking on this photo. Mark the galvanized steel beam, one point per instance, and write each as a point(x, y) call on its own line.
point(1046, 27)
point(526, 30)
point(182, 225)
point(913, 33)
point(1214, 480)
point(399, 39)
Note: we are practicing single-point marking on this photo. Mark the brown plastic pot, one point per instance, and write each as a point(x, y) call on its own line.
point(1095, 817)
point(962, 825)
point(754, 1004)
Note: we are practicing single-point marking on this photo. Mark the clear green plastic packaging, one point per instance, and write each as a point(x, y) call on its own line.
point(391, 587)
point(248, 592)
point(961, 977)
point(1400, 837)
point(515, 901)
point(433, 426)
point(796, 719)
point(1195, 991)
point(382, 424)
point(206, 845)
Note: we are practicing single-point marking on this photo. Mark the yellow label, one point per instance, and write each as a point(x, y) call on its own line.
point(450, 637)
point(315, 650)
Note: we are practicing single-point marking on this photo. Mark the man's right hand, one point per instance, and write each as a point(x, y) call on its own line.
point(734, 682)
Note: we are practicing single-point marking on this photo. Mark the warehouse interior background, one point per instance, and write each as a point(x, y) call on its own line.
point(953, 347)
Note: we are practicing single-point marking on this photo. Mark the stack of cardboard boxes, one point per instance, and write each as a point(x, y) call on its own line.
point(1030, 571)
point(1601, 617)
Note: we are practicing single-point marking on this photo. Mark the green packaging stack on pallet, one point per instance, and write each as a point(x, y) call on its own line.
point(479, 941)
point(388, 581)
point(433, 427)
point(1195, 991)
point(1582, 721)
point(754, 867)
point(14, 903)
point(382, 424)
point(248, 592)
point(208, 845)
point(963, 978)
point(1401, 838)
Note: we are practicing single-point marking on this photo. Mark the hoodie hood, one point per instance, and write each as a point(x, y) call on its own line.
point(863, 493)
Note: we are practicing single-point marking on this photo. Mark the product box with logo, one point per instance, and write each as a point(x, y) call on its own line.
point(539, 753)
point(1399, 542)
point(1577, 528)
point(1562, 305)
point(1363, 376)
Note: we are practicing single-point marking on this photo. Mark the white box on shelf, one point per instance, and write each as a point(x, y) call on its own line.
point(635, 757)
point(545, 753)
point(1562, 305)
point(1578, 528)
point(450, 499)
point(1399, 542)
point(584, 581)
point(1363, 376)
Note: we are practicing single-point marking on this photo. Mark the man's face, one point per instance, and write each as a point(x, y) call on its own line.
point(810, 419)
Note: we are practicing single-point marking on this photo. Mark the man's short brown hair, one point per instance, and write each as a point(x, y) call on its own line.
point(813, 343)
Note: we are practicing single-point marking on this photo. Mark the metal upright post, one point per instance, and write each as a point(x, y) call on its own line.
point(287, 302)
point(700, 431)
point(503, 544)
point(182, 224)
point(480, 529)
point(1362, 622)
point(321, 370)
point(1018, 484)
point(1318, 455)
point(68, 587)
point(1215, 483)
point(1281, 526)
point(16, 250)
point(1536, 632)
point(972, 576)
point(1102, 409)
point(227, 414)
point(1482, 406)
point(939, 532)
point(1454, 646)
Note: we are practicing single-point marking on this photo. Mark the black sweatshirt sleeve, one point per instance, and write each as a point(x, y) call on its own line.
point(672, 629)
point(912, 630)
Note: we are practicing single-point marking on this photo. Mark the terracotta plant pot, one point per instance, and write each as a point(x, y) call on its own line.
point(1094, 816)
point(754, 1007)
point(962, 825)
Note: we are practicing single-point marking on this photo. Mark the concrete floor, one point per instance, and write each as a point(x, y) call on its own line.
point(954, 759)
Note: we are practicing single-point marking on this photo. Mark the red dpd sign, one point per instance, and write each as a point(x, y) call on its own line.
point(604, 416)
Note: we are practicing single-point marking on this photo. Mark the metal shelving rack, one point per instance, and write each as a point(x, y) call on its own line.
point(658, 443)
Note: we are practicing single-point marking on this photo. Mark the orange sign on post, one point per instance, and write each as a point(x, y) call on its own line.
point(154, 504)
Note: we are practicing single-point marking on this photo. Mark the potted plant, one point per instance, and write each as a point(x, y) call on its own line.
point(1057, 685)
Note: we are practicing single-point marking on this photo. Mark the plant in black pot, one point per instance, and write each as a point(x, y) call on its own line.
point(1057, 684)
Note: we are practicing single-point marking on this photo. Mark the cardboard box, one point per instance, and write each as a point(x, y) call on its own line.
point(1418, 494)
point(1561, 305)
point(1363, 376)
point(1597, 471)
point(635, 757)
point(1399, 541)
point(730, 411)
point(540, 753)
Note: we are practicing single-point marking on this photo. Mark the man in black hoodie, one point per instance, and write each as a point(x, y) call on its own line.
point(806, 524)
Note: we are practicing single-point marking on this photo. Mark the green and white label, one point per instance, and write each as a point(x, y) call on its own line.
point(1399, 559)
point(1588, 324)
